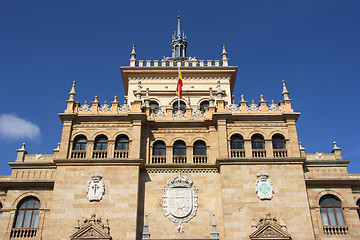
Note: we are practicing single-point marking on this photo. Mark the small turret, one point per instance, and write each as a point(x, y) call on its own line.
point(225, 60)
point(133, 57)
point(179, 43)
point(72, 93)
point(285, 92)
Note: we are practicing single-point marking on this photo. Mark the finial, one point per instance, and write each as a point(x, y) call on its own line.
point(285, 92)
point(232, 99)
point(138, 92)
point(219, 93)
point(214, 233)
point(133, 54)
point(146, 232)
point(224, 53)
point(335, 146)
point(301, 147)
point(115, 98)
point(58, 146)
point(23, 146)
point(261, 97)
point(242, 98)
point(96, 99)
point(211, 97)
point(72, 93)
point(178, 28)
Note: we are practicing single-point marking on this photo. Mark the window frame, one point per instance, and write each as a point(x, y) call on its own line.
point(157, 150)
point(197, 150)
point(79, 145)
point(177, 150)
point(122, 143)
point(182, 106)
point(26, 212)
point(333, 207)
point(257, 142)
point(241, 142)
point(103, 145)
point(277, 141)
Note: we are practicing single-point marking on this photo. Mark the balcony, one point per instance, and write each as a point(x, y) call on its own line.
point(258, 153)
point(280, 153)
point(23, 233)
point(179, 159)
point(237, 153)
point(200, 159)
point(336, 230)
point(158, 159)
point(121, 154)
point(78, 154)
point(100, 154)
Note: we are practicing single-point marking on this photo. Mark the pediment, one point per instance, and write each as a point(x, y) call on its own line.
point(270, 230)
point(90, 232)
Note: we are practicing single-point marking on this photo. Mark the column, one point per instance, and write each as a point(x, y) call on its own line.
point(222, 138)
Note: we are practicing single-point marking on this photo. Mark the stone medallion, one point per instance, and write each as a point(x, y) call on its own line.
point(96, 188)
point(264, 186)
point(180, 200)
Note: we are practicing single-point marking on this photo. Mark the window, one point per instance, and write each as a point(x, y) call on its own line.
point(100, 143)
point(257, 141)
point(27, 213)
point(204, 105)
point(199, 148)
point(236, 142)
point(182, 106)
point(330, 210)
point(358, 207)
point(159, 148)
point(278, 141)
point(154, 106)
point(0, 210)
point(122, 143)
point(80, 143)
point(179, 148)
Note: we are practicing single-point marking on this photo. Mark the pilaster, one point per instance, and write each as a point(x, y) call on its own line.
point(136, 141)
point(65, 140)
point(222, 138)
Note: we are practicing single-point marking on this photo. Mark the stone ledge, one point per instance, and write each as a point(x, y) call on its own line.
point(332, 181)
point(259, 161)
point(27, 184)
point(100, 162)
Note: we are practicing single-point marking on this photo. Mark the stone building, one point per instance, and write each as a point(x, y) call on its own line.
point(159, 167)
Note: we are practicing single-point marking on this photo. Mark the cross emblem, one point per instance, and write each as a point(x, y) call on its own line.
point(95, 187)
point(264, 188)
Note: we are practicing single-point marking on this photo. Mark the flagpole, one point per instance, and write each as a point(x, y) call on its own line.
point(178, 90)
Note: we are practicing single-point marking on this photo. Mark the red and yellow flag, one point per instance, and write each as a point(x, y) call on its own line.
point(179, 86)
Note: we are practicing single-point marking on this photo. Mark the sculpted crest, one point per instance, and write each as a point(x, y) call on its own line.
point(96, 188)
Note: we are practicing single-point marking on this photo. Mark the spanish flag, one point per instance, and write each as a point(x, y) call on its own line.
point(179, 85)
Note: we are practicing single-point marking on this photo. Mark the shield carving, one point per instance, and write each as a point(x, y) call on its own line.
point(180, 200)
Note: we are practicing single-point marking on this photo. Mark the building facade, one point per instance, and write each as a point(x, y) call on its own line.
point(160, 167)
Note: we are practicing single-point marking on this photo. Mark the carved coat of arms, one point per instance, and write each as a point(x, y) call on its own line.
point(264, 186)
point(180, 200)
point(96, 188)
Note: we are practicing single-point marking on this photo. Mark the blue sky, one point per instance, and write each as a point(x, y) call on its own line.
point(313, 45)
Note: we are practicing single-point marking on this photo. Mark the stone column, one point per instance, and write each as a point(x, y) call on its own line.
point(293, 150)
point(136, 140)
point(269, 148)
point(111, 149)
point(89, 148)
point(65, 140)
point(189, 154)
point(247, 148)
point(169, 154)
point(222, 138)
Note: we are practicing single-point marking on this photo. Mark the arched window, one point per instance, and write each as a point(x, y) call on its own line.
point(199, 148)
point(203, 105)
point(179, 148)
point(257, 142)
point(80, 143)
point(182, 106)
point(154, 106)
point(159, 148)
point(330, 210)
point(278, 141)
point(122, 143)
point(358, 207)
point(27, 213)
point(237, 142)
point(100, 143)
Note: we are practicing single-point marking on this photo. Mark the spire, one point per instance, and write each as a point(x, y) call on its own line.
point(133, 54)
point(178, 27)
point(224, 53)
point(146, 232)
point(214, 233)
point(72, 93)
point(178, 42)
point(224, 60)
point(285, 92)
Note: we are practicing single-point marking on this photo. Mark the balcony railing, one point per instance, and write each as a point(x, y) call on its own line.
point(257, 153)
point(237, 153)
point(78, 154)
point(100, 154)
point(280, 153)
point(121, 154)
point(200, 159)
point(336, 230)
point(22, 233)
point(179, 159)
point(158, 159)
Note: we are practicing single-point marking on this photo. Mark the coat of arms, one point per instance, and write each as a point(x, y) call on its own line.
point(180, 200)
point(96, 188)
point(264, 186)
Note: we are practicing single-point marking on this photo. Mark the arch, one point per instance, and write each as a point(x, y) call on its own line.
point(176, 99)
point(179, 148)
point(97, 134)
point(154, 105)
point(182, 106)
point(331, 192)
point(43, 203)
point(236, 141)
point(204, 104)
point(331, 211)
point(76, 134)
point(278, 141)
point(179, 139)
point(159, 148)
point(277, 132)
point(122, 142)
point(257, 141)
point(197, 139)
point(199, 148)
point(27, 213)
point(101, 142)
point(80, 142)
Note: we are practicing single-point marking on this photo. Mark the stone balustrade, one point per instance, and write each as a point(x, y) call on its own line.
point(336, 230)
point(200, 159)
point(78, 154)
point(23, 233)
point(280, 153)
point(99, 153)
point(121, 153)
point(191, 62)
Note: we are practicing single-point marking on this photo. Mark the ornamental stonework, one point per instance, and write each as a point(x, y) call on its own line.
point(180, 200)
point(96, 188)
point(264, 186)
